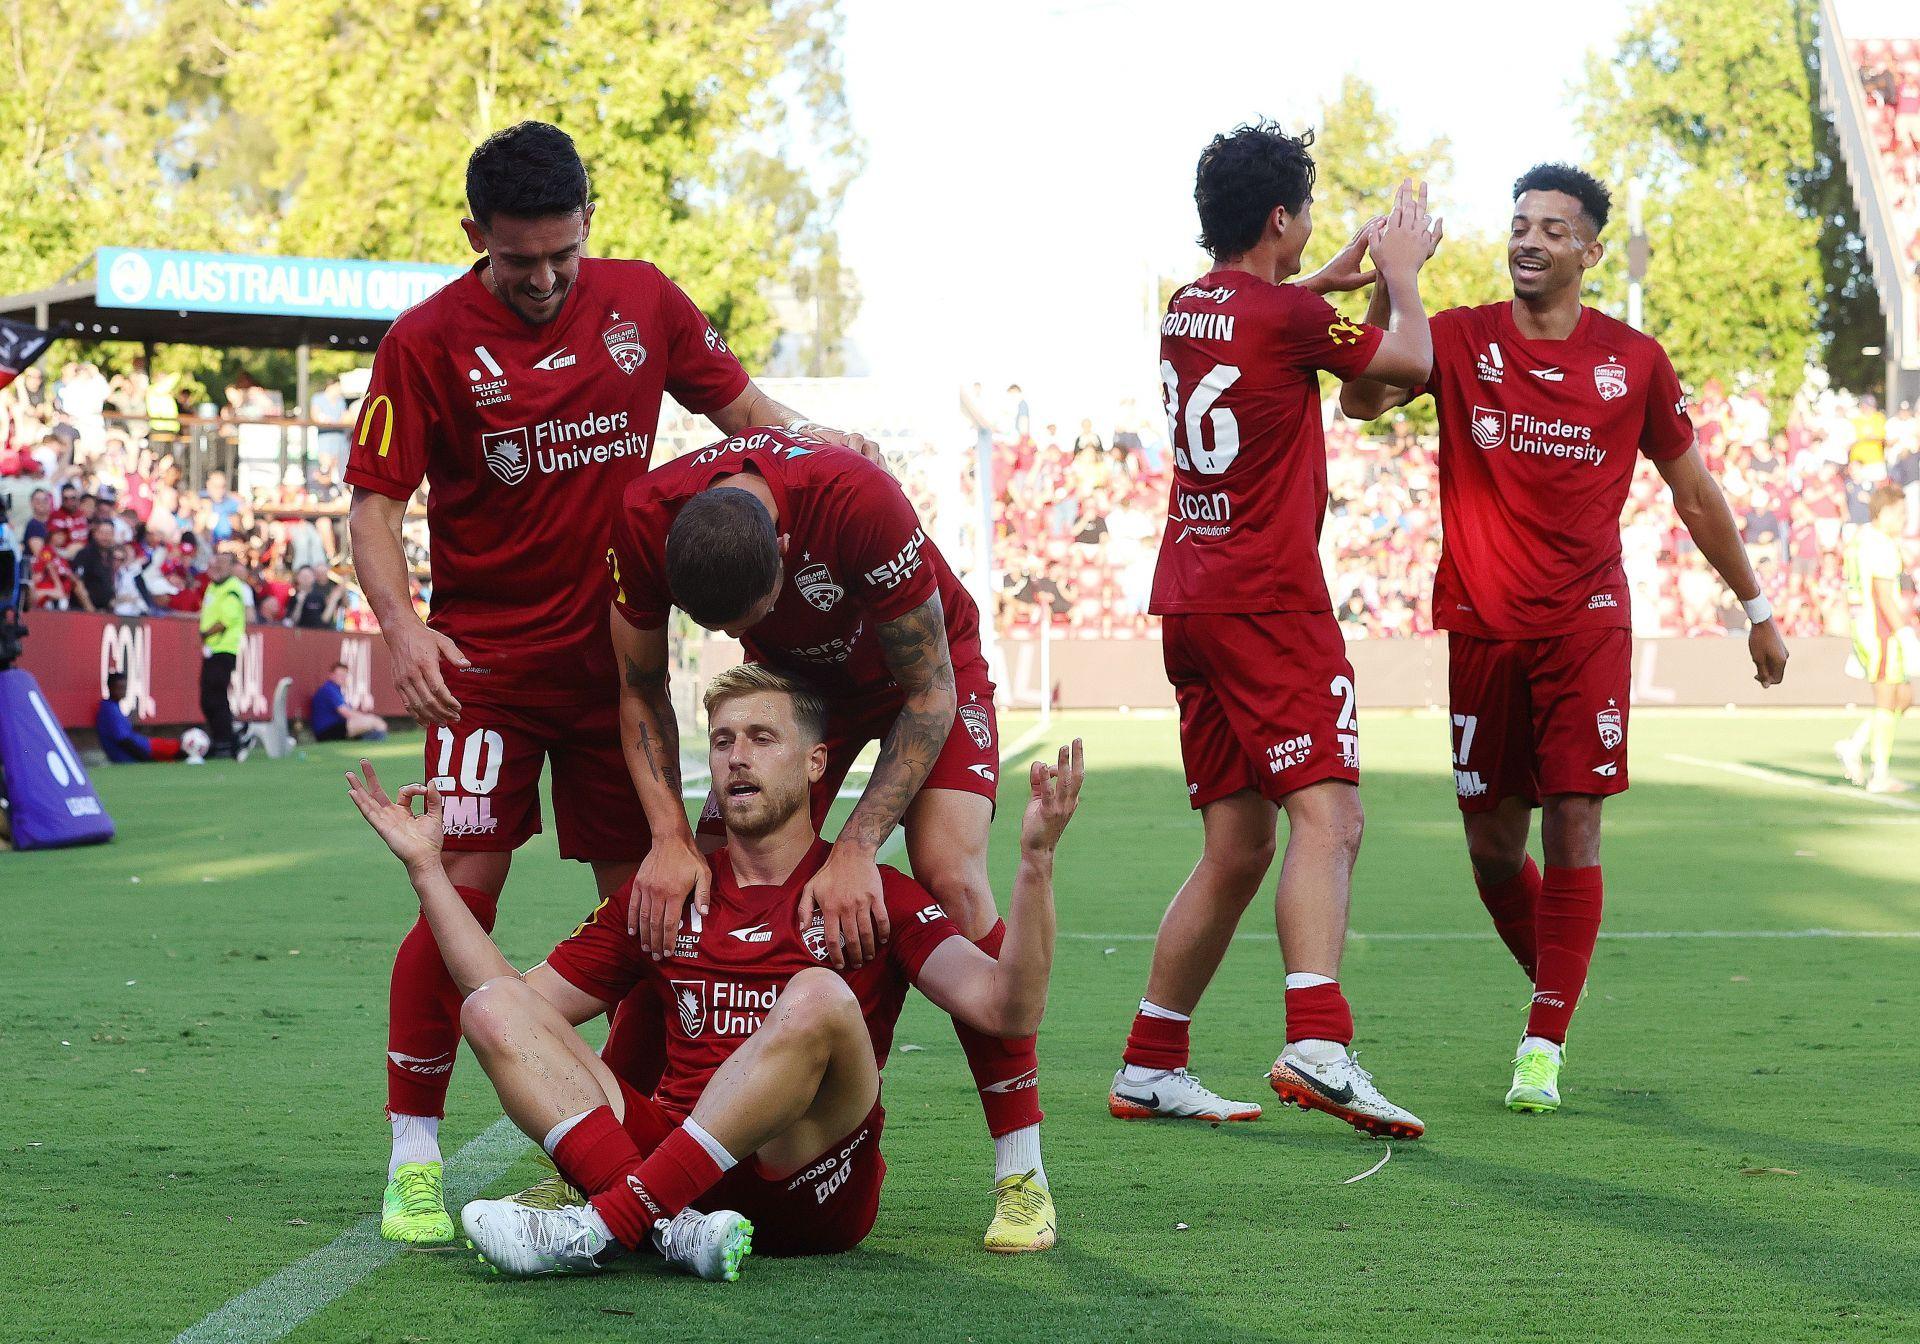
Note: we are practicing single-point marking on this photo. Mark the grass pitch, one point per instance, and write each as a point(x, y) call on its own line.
point(192, 1022)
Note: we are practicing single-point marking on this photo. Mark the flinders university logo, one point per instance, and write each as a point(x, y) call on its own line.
point(506, 454)
point(1489, 427)
point(623, 343)
point(690, 997)
point(816, 584)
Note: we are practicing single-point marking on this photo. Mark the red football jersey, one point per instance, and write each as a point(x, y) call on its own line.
point(729, 966)
point(1238, 359)
point(856, 556)
point(67, 527)
point(526, 436)
point(1538, 441)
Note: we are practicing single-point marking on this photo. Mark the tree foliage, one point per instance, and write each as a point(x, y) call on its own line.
point(1756, 265)
point(716, 133)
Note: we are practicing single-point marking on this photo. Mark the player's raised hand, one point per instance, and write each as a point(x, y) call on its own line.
point(1346, 269)
point(413, 839)
point(852, 906)
point(417, 650)
point(1056, 793)
point(1406, 238)
point(673, 870)
point(1769, 653)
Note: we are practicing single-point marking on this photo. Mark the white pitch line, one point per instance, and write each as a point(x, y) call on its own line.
point(1627, 935)
point(274, 1308)
point(1766, 776)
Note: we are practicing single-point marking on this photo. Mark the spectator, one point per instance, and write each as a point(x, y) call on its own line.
point(315, 604)
point(223, 622)
point(334, 720)
point(69, 524)
point(118, 740)
point(95, 569)
point(222, 507)
point(130, 597)
point(40, 518)
point(49, 577)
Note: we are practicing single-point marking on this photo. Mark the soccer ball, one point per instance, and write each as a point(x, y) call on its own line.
point(196, 743)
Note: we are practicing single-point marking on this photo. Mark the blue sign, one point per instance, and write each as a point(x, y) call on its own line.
point(52, 800)
point(218, 282)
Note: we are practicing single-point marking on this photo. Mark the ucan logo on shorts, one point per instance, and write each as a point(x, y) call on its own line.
point(690, 997)
point(1611, 379)
point(1608, 722)
point(623, 343)
point(1489, 427)
point(979, 727)
point(506, 454)
point(817, 586)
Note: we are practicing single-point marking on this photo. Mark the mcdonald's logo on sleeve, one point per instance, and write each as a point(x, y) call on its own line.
point(383, 406)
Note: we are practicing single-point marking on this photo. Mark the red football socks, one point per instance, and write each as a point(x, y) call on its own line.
point(645, 1192)
point(636, 1048)
point(1156, 1043)
point(600, 1157)
point(1006, 1072)
point(1566, 924)
point(423, 1016)
point(1319, 1013)
point(1512, 903)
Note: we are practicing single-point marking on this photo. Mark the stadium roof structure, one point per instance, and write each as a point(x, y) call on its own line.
point(225, 300)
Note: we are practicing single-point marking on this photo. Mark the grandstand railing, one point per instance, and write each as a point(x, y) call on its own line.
point(1842, 96)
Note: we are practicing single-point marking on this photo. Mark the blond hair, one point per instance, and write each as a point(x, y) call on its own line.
point(809, 710)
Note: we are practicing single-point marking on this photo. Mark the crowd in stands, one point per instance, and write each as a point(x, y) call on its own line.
point(1890, 75)
point(1080, 518)
point(112, 523)
point(107, 518)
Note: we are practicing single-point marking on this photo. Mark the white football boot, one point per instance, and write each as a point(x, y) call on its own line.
point(524, 1242)
point(1173, 1094)
point(1342, 1089)
point(707, 1245)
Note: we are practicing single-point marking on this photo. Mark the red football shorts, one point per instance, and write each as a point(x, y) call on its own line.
point(488, 769)
point(1266, 701)
point(825, 1207)
point(968, 763)
point(1536, 717)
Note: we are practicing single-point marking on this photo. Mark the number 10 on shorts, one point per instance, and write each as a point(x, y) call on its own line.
point(468, 809)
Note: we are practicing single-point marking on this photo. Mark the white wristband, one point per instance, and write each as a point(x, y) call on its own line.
point(799, 426)
point(1758, 609)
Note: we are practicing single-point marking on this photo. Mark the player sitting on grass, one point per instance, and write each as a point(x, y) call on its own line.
point(769, 1111)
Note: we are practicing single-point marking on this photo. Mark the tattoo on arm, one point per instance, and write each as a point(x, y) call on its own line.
point(661, 750)
point(915, 646)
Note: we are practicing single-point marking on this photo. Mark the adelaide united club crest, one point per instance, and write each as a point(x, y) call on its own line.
point(623, 343)
point(979, 725)
point(1611, 380)
point(816, 584)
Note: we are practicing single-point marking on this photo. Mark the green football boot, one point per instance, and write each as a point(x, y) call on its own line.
point(414, 1210)
point(1536, 1083)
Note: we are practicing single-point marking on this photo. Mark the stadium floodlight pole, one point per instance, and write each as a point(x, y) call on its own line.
point(1636, 251)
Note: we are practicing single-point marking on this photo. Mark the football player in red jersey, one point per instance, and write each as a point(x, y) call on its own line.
point(1266, 694)
point(526, 394)
point(768, 1114)
point(814, 559)
point(1545, 406)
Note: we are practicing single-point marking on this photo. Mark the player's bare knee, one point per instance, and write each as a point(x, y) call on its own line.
point(817, 1003)
point(487, 1014)
point(967, 898)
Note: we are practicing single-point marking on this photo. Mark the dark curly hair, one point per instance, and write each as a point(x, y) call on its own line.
point(1595, 200)
point(528, 171)
point(1242, 176)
